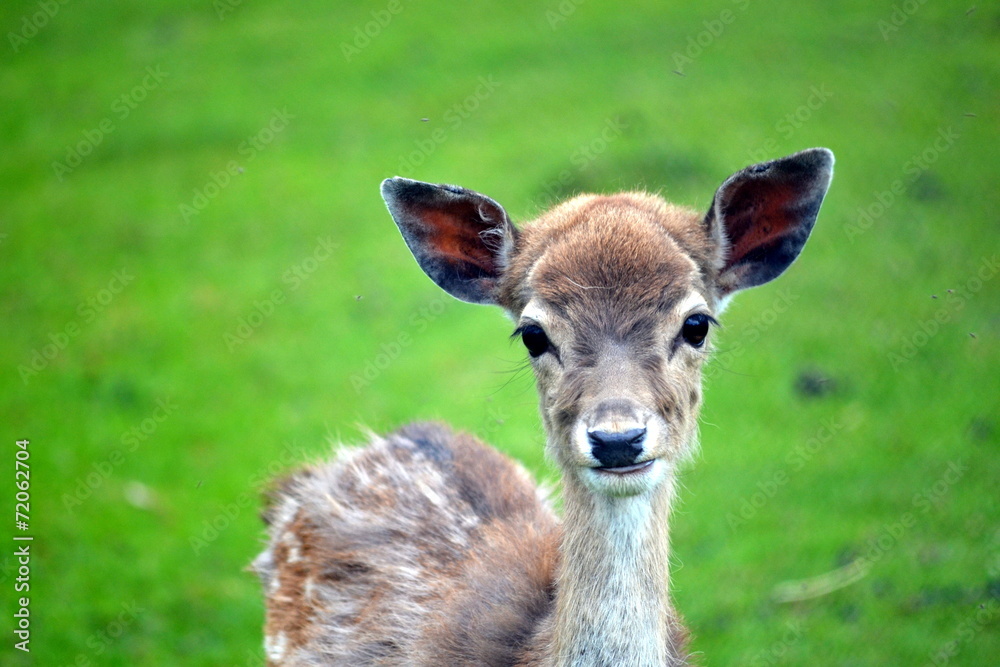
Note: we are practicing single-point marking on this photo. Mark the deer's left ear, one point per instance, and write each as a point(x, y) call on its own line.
point(459, 237)
point(762, 216)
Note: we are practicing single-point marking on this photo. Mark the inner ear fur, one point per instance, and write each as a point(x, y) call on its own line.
point(458, 237)
point(762, 216)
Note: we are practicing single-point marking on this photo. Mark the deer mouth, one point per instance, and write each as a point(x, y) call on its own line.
point(635, 468)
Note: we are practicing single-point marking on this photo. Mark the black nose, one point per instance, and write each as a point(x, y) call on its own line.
point(616, 449)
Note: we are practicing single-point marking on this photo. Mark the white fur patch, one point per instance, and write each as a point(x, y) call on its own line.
point(690, 303)
point(309, 590)
point(275, 646)
point(292, 542)
point(534, 311)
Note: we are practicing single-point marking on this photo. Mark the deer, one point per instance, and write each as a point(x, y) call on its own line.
point(429, 547)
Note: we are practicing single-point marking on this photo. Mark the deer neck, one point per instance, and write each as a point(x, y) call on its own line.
point(612, 606)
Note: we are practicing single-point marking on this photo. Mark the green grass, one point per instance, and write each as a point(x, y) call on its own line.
point(238, 415)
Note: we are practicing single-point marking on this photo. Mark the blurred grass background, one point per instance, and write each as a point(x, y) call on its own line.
point(195, 352)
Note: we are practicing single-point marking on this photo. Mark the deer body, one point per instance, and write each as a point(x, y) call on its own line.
point(429, 548)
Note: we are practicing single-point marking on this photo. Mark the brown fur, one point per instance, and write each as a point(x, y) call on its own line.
point(428, 547)
point(489, 602)
point(632, 269)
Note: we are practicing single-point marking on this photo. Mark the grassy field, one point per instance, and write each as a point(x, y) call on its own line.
point(200, 287)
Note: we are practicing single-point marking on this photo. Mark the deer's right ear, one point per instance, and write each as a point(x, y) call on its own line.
point(459, 237)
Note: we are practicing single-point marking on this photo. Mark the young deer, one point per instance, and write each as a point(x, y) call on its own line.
point(429, 548)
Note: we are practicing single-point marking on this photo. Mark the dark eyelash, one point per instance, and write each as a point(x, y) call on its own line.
point(520, 330)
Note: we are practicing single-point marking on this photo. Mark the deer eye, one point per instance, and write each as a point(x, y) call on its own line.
point(696, 329)
point(535, 340)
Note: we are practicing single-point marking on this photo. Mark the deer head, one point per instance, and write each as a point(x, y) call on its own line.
point(615, 297)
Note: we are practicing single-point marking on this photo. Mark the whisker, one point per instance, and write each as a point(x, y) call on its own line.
point(583, 286)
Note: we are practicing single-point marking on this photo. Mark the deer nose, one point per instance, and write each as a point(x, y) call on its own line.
point(616, 449)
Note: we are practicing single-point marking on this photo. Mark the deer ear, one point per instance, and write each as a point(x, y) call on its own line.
point(762, 216)
point(458, 237)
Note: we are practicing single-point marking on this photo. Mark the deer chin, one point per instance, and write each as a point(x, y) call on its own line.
point(624, 481)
